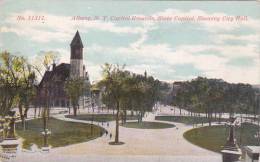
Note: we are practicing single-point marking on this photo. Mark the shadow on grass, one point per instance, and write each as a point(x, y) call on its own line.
point(147, 125)
point(188, 120)
point(99, 117)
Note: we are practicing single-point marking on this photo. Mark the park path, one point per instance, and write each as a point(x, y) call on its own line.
point(151, 145)
point(168, 141)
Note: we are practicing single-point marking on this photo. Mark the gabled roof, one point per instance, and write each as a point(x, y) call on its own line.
point(46, 77)
point(63, 70)
point(76, 41)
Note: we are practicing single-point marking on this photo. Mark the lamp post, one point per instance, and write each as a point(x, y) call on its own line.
point(46, 132)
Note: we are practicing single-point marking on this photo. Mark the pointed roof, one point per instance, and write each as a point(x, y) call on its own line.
point(76, 41)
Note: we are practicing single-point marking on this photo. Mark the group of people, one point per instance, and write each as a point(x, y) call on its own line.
point(106, 132)
point(110, 134)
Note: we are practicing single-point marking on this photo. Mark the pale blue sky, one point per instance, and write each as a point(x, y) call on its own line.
point(167, 50)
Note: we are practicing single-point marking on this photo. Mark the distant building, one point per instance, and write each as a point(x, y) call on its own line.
point(51, 88)
point(177, 86)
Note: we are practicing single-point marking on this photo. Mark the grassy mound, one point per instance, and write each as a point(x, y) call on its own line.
point(214, 137)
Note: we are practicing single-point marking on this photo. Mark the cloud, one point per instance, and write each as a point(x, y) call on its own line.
point(236, 74)
point(213, 22)
point(163, 58)
point(225, 50)
point(250, 38)
point(2, 2)
point(94, 71)
point(59, 28)
point(158, 59)
point(64, 55)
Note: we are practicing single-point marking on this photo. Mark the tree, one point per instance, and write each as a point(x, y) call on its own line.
point(8, 81)
point(216, 96)
point(26, 90)
point(112, 82)
point(17, 83)
point(75, 88)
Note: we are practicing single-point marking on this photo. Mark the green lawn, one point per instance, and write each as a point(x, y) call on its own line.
point(63, 133)
point(99, 117)
point(213, 138)
point(186, 119)
point(148, 125)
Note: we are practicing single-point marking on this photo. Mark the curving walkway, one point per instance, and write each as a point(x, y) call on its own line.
point(160, 141)
point(140, 145)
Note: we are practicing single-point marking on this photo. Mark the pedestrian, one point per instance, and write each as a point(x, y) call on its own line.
point(106, 132)
point(107, 124)
point(110, 135)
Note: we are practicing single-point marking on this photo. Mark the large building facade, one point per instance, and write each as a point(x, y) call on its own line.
point(51, 90)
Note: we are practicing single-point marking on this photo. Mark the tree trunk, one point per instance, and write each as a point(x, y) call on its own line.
point(219, 117)
point(35, 111)
point(20, 107)
point(75, 110)
point(117, 123)
point(48, 111)
point(26, 110)
point(125, 115)
point(39, 112)
point(139, 117)
point(210, 117)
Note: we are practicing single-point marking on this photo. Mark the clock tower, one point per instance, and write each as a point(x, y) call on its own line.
point(76, 57)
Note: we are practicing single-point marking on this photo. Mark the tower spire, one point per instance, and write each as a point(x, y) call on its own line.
point(76, 57)
point(76, 41)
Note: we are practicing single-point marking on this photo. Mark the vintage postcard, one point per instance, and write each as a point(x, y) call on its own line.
point(129, 81)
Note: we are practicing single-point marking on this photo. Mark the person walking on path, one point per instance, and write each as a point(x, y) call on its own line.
point(106, 132)
point(110, 135)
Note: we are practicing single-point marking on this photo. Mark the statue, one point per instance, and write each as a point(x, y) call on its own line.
point(231, 151)
point(11, 126)
point(2, 121)
point(9, 143)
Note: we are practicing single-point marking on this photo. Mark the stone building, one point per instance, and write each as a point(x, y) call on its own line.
point(51, 88)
